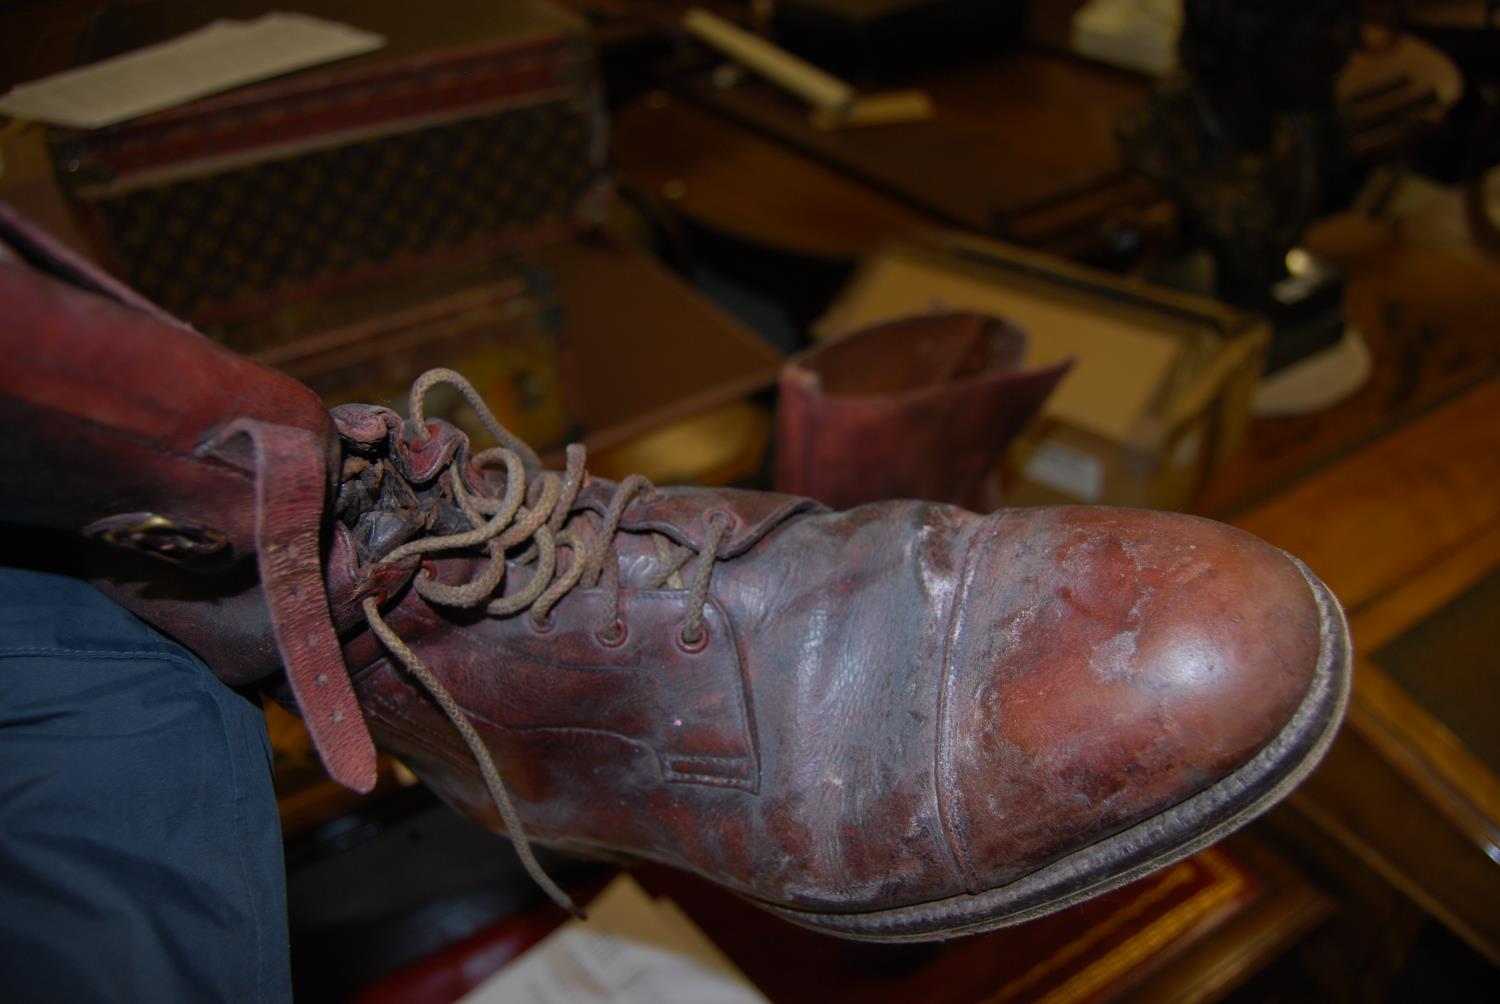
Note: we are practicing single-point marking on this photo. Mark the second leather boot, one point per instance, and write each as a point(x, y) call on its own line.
point(922, 407)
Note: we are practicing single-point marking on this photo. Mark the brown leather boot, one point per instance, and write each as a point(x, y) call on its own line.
point(922, 408)
point(903, 722)
point(135, 432)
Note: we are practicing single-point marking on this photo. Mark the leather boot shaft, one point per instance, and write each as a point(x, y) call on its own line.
point(128, 405)
point(917, 408)
point(139, 434)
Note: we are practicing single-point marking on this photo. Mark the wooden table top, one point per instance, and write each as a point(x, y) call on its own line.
point(1399, 529)
point(1428, 315)
point(1021, 130)
point(1021, 147)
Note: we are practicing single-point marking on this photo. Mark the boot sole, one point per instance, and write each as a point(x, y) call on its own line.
point(1154, 843)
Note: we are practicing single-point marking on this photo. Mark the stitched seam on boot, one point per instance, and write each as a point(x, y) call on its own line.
point(954, 842)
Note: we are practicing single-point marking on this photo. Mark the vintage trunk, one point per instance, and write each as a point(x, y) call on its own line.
point(497, 319)
point(477, 128)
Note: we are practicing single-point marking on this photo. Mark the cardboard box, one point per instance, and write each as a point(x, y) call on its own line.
point(1159, 395)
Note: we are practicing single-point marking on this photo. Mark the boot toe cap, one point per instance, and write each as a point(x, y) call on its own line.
point(1103, 667)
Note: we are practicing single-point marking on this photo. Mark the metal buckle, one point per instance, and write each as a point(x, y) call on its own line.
point(168, 538)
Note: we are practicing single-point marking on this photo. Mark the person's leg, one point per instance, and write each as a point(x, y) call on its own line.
point(140, 850)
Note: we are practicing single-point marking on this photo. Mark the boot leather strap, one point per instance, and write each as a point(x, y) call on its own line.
point(291, 484)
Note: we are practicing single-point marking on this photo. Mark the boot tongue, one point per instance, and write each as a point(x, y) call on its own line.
point(636, 554)
point(685, 515)
point(393, 489)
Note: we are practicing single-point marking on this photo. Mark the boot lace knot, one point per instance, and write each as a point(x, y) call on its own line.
point(525, 526)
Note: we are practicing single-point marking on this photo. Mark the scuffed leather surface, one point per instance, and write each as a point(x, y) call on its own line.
point(938, 702)
point(844, 745)
point(895, 704)
point(689, 708)
point(1105, 663)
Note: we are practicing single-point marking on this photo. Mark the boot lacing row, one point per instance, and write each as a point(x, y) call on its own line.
point(531, 512)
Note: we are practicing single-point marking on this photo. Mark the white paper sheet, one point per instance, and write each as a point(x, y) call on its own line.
point(222, 55)
point(632, 950)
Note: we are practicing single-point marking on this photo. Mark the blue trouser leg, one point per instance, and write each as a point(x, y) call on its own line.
point(140, 850)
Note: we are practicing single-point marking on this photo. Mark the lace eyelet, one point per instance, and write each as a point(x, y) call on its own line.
point(542, 626)
point(696, 645)
point(422, 435)
point(723, 516)
point(613, 638)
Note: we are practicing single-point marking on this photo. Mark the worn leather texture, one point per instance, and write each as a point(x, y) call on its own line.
point(923, 407)
point(894, 704)
point(124, 424)
point(894, 707)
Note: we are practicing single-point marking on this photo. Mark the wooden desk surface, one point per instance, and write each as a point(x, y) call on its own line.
point(747, 185)
point(1020, 131)
point(1022, 147)
point(1398, 529)
point(1429, 316)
